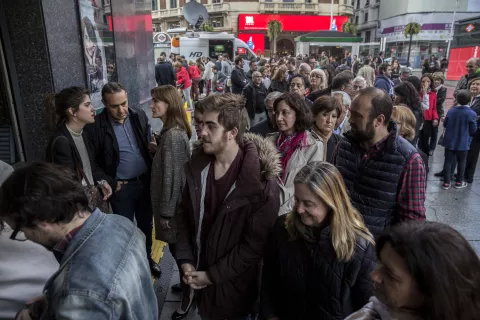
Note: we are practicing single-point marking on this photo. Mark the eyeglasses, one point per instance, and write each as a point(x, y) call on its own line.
point(18, 235)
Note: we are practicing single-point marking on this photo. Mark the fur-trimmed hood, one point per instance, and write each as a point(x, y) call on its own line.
point(268, 155)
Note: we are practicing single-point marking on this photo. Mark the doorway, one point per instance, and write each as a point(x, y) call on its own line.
point(285, 47)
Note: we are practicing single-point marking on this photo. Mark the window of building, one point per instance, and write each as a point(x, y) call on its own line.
point(216, 1)
point(356, 20)
point(173, 4)
point(358, 4)
point(367, 3)
point(154, 5)
point(308, 1)
point(216, 22)
point(368, 35)
point(174, 24)
point(366, 17)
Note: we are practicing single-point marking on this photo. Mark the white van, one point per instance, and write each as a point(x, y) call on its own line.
point(213, 44)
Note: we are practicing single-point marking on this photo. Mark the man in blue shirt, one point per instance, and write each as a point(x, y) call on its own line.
point(120, 138)
point(383, 81)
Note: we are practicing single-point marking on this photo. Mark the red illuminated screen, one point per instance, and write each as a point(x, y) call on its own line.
point(257, 40)
point(289, 22)
point(458, 60)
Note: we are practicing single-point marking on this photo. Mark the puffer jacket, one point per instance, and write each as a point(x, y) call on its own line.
point(238, 237)
point(313, 150)
point(304, 281)
point(183, 78)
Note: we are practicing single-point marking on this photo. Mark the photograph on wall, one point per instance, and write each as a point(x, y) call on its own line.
point(98, 46)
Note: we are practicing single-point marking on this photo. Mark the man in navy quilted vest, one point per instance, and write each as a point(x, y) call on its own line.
point(384, 173)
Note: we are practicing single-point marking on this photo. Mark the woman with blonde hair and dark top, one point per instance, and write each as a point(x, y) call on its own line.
point(168, 175)
point(320, 255)
point(279, 80)
point(406, 124)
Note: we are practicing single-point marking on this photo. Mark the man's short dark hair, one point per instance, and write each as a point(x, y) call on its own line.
point(41, 192)
point(230, 108)
point(112, 87)
point(226, 56)
point(349, 74)
point(366, 61)
point(292, 61)
point(383, 68)
point(463, 97)
point(252, 62)
point(238, 59)
point(380, 101)
point(306, 83)
point(340, 80)
point(303, 113)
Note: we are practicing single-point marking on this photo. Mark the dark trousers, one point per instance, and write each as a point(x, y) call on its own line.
point(461, 157)
point(425, 136)
point(433, 141)
point(133, 201)
point(472, 159)
point(195, 94)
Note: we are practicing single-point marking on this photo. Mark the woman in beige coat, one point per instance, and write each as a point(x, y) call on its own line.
point(294, 142)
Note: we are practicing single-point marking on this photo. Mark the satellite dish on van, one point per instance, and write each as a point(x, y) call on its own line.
point(195, 13)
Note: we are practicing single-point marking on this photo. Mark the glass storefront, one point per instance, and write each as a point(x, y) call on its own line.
point(420, 51)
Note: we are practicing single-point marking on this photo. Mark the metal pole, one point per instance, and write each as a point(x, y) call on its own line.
point(451, 29)
point(331, 15)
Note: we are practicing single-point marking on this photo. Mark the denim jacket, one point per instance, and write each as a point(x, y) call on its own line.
point(103, 274)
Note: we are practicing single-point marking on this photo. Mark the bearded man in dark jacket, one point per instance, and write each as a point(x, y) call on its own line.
point(229, 206)
point(384, 173)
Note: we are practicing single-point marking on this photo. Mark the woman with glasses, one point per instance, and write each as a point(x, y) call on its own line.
point(294, 142)
point(320, 255)
point(318, 80)
point(168, 175)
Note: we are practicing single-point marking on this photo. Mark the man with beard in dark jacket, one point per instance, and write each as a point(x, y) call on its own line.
point(229, 206)
point(255, 94)
point(383, 172)
point(164, 73)
point(239, 80)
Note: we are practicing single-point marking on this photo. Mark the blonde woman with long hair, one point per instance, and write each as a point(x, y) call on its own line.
point(318, 80)
point(320, 255)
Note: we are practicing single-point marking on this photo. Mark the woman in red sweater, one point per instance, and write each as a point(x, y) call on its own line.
point(429, 98)
point(183, 81)
point(195, 76)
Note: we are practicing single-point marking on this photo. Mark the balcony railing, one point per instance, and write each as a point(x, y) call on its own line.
point(345, 9)
point(217, 7)
point(276, 6)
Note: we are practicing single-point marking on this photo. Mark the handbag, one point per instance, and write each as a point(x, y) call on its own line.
point(93, 193)
point(440, 140)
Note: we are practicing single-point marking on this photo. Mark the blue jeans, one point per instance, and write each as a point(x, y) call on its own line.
point(133, 201)
point(450, 156)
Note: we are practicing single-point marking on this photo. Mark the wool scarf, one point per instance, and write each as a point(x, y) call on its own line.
point(287, 145)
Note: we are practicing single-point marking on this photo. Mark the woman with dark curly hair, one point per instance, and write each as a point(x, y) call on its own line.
point(406, 94)
point(295, 143)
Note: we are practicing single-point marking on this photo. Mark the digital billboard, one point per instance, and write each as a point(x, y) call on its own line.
point(291, 23)
point(255, 41)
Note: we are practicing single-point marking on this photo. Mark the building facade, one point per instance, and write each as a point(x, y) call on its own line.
point(230, 15)
point(436, 18)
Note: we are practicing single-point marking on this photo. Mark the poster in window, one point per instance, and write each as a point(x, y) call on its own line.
point(98, 46)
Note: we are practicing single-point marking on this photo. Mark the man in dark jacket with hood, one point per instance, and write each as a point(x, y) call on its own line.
point(383, 81)
point(164, 73)
point(383, 172)
point(229, 206)
point(239, 80)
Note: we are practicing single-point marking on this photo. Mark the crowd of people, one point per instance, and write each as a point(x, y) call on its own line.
point(303, 197)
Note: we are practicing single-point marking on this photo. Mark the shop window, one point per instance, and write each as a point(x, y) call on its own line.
point(366, 17)
point(173, 4)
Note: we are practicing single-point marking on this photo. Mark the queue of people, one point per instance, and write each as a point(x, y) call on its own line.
point(317, 212)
